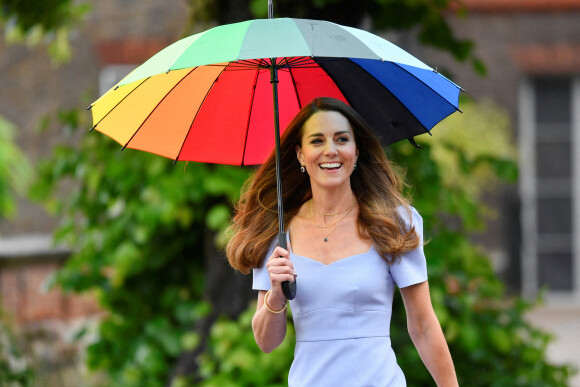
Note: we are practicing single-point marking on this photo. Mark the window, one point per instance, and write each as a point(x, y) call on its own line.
point(550, 176)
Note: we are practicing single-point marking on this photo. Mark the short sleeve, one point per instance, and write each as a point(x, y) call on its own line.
point(261, 278)
point(411, 267)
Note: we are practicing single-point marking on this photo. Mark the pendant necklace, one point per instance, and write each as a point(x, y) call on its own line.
point(334, 225)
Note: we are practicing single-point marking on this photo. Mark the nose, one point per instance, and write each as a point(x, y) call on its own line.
point(330, 149)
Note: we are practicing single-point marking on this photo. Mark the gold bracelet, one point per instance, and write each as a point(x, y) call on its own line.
point(268, 306)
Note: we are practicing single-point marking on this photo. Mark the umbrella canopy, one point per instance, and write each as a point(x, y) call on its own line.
point(208, 97)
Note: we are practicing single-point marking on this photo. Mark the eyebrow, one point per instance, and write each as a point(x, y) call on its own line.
point(335, 133)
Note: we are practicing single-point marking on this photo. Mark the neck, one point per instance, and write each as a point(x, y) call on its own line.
point(327, 202)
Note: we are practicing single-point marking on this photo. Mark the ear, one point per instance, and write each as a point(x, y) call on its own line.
point(299, 155)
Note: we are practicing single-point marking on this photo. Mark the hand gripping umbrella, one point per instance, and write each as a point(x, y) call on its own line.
point(220, 96)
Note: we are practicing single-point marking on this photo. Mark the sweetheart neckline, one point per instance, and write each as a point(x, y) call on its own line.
point(333, 262)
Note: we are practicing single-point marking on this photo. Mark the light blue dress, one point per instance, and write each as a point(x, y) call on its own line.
point(342, 315)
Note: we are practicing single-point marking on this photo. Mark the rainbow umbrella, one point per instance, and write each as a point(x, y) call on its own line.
point(220, 96)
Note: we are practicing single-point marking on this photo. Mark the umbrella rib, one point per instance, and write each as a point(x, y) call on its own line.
point(197, 112)
point(295, 89)
point(250, 115)
point(156, 106)
point(299, 62)
point(118, 103)
point(247, 63)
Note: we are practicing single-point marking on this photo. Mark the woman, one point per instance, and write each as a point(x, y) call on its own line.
point(352, 238)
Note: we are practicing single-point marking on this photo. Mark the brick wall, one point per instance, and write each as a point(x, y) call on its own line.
point(26, 297)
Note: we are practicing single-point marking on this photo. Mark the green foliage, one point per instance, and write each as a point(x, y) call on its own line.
point(233, 358)
point(14, 370)
point(15, 170)
point(491, 342)
point(136, 224)
point(36, 22)
point(429, 15)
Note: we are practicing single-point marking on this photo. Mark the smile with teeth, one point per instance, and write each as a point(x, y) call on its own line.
point(330, 165)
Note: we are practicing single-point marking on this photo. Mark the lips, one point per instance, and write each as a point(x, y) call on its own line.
point(330, 165)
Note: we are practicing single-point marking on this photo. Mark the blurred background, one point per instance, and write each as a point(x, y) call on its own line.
point(111, 263)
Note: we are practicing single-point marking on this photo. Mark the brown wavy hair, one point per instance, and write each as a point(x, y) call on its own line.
point(376, 186)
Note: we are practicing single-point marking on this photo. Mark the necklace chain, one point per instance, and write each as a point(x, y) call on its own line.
point(341, 218)
point(335, 224)
point(333, 214)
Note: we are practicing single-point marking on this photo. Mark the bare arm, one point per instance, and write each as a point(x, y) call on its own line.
point(427, 336)
point(270, 328)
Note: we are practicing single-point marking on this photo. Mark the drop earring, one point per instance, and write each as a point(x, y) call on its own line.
point(354, 167)
point(302, 169)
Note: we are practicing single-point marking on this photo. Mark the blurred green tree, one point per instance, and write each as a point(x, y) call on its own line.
point(15, 169)
point(42, 22)
point(143, 233)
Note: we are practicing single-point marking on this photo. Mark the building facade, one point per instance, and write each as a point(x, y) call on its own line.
point(531, 49)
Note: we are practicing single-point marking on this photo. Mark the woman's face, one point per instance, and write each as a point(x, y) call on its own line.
point(328, 150)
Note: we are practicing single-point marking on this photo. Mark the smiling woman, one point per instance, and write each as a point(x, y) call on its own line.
point(352, 238)
point(328, 151)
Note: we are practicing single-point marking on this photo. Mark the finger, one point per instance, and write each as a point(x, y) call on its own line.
point(277, 279)
point(279, 252)
point(281, 269)
point(280, 262)
point(282, 273)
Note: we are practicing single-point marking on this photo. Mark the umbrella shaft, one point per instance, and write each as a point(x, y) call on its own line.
point(274, 81)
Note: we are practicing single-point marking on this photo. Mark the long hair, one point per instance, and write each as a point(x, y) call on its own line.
point(376, 186)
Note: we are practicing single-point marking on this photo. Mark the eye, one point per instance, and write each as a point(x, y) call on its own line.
point(316, 141)
point(343, 139)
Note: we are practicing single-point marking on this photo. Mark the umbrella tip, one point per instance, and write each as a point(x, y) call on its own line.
point(91, 129)
point(89, 107)
point(412, 141)
point(174, 161)
point(123, 148)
